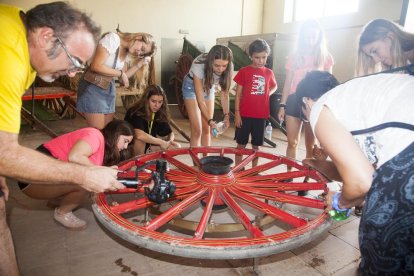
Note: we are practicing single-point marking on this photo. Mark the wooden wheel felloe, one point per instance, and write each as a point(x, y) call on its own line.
point(262, 212)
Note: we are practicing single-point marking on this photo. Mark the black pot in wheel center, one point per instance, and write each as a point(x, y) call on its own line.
point(216, 165)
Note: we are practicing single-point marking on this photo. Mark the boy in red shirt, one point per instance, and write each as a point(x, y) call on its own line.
point(255, 84)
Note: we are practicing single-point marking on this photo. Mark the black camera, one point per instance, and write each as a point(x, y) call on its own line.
point(162, 190)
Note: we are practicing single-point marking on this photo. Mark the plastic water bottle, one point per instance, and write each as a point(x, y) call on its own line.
point(339, 215)
point(268, 131)
point(219, 129)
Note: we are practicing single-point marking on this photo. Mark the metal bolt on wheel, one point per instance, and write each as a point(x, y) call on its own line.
point(245, 213)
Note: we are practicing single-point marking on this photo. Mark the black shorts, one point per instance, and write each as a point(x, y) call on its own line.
point(42, 149)
point(292, 107)
point(253, 126)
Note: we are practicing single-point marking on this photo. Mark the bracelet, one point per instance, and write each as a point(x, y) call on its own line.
point(209, 121)
point(226, 114)
point(282, 105)
point(335, 203)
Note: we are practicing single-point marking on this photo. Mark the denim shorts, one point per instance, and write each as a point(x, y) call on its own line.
point(93, 99)
point(292, 107)
point(189, 91)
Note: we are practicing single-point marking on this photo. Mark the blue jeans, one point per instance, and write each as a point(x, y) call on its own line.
point(189, 90)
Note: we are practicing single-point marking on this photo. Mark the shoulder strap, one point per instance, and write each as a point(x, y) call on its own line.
point(382, 126)
point(116, 58)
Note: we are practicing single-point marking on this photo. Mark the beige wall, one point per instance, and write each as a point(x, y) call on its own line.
point(205, 20)
point(341, 31)
point(208, 20)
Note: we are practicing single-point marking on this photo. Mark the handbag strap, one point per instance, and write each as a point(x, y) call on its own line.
point(116, 58)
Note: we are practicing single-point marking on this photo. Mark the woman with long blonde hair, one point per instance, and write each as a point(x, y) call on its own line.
point(97, 103)
point(310, 54)
point(383, 45)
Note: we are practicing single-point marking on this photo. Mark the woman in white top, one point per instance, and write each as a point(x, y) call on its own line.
point(374, 160)
point(96, 103)
point(210, 74)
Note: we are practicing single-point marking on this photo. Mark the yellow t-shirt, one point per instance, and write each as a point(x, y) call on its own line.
point(16, 73)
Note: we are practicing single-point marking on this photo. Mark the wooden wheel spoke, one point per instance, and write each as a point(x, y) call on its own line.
point(268, 209)
point(201, 228)
point(285, 198)
point(180, 165)
point(252, 172)
point(131, 206)
point(284, 186)
point(244, 162)
point(272, 177)
point(241, 215)
point(180, 178)
point(175, 210)
point(187, 191)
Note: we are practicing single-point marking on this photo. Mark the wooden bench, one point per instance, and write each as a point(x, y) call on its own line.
point(60, 99)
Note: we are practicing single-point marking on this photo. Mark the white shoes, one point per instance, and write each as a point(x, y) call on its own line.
point(69, 220)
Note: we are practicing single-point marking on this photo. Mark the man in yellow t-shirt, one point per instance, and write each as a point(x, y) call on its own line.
point(49, 40)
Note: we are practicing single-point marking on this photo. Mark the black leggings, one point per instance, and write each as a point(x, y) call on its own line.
point(42, 149)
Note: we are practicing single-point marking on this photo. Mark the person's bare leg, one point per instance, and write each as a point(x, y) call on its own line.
point(238, 157)
point(194, 116)
point(96, 120)
point(108, 118)
point(206, 131)
point(72, 195)
point(293, 127)
point(309, 140)
point(8, 262)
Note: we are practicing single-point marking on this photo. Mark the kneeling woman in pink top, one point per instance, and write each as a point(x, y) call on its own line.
point(86, 146)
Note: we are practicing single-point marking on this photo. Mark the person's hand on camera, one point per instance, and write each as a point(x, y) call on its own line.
point(99, 179)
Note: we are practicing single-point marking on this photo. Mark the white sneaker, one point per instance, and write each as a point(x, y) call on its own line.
point(69, 220)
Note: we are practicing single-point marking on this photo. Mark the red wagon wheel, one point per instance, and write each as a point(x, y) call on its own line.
point(181, 69)
point(247, 212)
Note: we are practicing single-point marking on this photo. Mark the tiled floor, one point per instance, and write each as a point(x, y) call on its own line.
point(45, 248)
